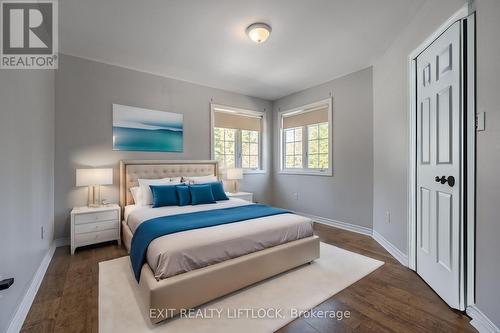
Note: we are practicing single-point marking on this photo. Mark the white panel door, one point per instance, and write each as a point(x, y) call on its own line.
point(439, 165)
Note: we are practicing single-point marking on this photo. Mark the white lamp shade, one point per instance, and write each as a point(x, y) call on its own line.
point(88, 177)
point(234, 174)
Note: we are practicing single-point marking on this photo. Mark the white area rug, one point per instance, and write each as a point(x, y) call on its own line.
point(120, 309)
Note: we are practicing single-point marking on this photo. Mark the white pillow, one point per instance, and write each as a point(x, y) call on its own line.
point(176, 180)
point(136, 194)
point(200, 180)
point(146, 194)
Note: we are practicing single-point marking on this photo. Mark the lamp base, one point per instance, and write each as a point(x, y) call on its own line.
point(94, 196)
point(236, 186)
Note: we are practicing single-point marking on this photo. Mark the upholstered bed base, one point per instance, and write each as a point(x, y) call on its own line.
point(165, 298)
point(126, 236)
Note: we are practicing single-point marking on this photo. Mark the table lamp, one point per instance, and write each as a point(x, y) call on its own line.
point(235, 174)
point(94, 178)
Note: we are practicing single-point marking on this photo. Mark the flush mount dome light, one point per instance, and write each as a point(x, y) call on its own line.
point(259, 32)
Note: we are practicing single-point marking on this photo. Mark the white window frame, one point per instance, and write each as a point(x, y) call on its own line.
point(305, 170)
point(238, 156)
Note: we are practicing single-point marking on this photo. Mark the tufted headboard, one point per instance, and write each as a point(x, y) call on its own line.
point(132, 170)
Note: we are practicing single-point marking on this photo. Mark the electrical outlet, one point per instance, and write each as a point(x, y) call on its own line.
point(296, 196)
point(387, 217)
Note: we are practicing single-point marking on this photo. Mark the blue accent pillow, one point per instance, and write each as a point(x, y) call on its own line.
point(218, 191)
point(201, 194)
point(184, 195)
point(164, 195)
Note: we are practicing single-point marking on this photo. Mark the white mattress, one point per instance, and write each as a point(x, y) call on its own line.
point(188, 250)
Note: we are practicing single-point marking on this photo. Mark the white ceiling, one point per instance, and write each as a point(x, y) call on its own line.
point(204, 41)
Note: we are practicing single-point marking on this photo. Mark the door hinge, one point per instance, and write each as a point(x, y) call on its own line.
point(480, 121)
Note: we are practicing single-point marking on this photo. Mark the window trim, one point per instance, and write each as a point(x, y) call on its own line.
point(262, 138)
point(305, 170)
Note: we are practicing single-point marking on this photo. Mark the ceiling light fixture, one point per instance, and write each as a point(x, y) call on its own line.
point(259, 32)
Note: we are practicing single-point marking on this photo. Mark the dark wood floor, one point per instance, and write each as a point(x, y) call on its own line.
point(391, 299)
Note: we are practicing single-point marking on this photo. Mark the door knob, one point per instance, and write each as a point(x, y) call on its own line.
point(443, 180)
point(5, 284)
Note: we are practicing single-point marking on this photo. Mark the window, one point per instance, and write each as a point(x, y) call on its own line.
point(237, 138)
point(225, 146)
point(250, 149)
point(293, 147)
point(317, 143)
point(306, 139)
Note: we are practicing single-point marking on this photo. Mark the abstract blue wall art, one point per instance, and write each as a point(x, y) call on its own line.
point(140, 129)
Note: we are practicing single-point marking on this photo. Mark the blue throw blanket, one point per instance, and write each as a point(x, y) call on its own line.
point(164, 225)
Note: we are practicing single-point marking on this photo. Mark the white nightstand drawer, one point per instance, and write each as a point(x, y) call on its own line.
point(96, 216)
point(96, 237)
point(96, 226)
point(92, 225)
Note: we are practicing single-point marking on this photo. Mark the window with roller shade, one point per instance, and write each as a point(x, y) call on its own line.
point(306, 139)
point(237, 137)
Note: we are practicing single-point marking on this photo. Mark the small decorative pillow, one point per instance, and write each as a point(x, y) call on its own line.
point(200, 180)
point(184, 195)
point(164, 195)
point(218, 191)
point(201, 194)
point(136, 195)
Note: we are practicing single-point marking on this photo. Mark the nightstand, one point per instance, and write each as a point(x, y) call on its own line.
point(241, 195)
point(94, 225)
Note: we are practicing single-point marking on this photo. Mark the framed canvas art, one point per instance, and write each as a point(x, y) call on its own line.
point(138, 129)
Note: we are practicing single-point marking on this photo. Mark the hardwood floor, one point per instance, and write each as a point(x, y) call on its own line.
point(391, 299)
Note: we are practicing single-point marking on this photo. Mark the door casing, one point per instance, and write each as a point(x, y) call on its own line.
point(467, 247)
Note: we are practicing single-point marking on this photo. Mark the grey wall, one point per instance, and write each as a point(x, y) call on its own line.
point(85, 92)
point(390, 121)
point(347, 196)
point(488, 160)
point(27, 178)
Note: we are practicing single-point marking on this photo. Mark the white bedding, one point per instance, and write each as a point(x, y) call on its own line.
point(128, 210)
point(144, 213)
point(188, 250)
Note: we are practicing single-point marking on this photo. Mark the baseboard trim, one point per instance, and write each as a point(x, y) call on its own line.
point(338, 224)
point(479, 320)
point(22, 310)
point(61, 241)
point(393, 250)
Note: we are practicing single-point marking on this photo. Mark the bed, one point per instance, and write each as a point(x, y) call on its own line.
point(186, 269)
